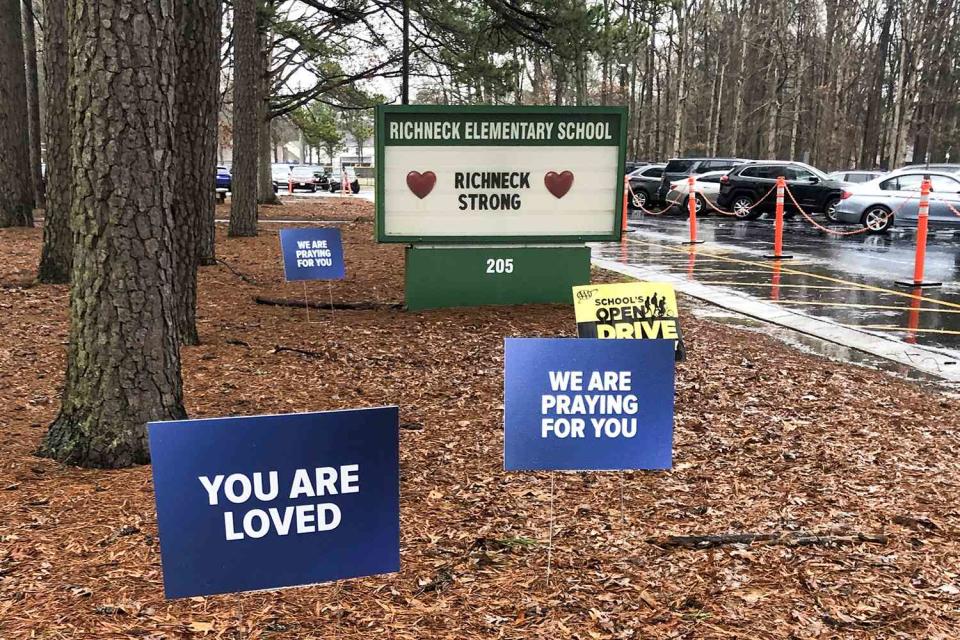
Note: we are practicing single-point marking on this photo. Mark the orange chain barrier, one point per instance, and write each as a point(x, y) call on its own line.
point(734, 213)
point(949, 206)
point(832, 231)
point(636, 203)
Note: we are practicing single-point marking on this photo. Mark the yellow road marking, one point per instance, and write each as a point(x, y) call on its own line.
point(893, 327)
point(855, 305)
point(769, 284)
point(719, 271)
point(866, 287)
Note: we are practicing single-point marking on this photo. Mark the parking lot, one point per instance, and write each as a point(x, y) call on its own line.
point(849, 281)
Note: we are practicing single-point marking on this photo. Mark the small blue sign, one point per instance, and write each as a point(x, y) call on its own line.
point(312, 254)
point(578, 405)
point(264, 502)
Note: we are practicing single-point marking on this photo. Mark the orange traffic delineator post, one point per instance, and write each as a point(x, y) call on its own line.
point(692, 209)
point(778, 224)
point(922, 218)
point(290, 185)
point(624, 226)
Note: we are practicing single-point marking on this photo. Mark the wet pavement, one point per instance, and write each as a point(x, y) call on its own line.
point(848, 280)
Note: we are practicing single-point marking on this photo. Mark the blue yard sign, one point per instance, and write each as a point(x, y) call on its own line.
point(264, 502)
point(588, 404)
point(312, 254)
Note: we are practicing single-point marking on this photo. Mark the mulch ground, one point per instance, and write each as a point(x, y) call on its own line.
point(851, 474)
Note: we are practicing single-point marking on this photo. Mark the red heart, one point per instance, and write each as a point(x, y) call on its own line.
point(421, 183)
point(558, 183)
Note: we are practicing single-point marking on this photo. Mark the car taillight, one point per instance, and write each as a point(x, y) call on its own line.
point(724, 179)
point(845, 195)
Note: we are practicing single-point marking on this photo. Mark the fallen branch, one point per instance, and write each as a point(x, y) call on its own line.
point(303, 352)
point(792, 539)
point(339, 306)
point(240, 275)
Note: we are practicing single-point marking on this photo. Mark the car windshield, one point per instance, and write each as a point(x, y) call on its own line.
point(803, 168)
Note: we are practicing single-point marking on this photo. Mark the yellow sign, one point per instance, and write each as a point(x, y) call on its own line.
point(639, 310)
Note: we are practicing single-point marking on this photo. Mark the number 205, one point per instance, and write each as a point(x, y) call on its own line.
point(499, 265)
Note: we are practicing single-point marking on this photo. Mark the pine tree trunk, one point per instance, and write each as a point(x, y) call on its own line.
point(194, 201)
point(33, 101)
point(243, 206)
point(265, 194)
point(123, 362)
point(16, 190)
point(56, 256)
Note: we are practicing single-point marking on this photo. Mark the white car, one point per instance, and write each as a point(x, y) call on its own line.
point(851, 178)
point(705, 185)
point(280, 174)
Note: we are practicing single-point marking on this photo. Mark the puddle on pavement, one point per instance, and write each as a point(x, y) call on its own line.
point(816, 346)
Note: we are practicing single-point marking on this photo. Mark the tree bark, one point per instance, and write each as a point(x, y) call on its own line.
point(123, 361)
point(33, 101)
point(56, 255)
point(194, 202)
point(243, 206)
point(16, 191)
point(265, 194)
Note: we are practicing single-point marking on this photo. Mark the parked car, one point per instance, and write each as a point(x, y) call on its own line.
point(302, 177)
point(631, 166)
point(336, 180)
point(644, 182)
point(323, 180)
point(891, 199)
point(280, 174)
point(745, 185)
point(707, 184)
point(941, 167)
point(224, 183)
point(854, 177)
point(683, 167)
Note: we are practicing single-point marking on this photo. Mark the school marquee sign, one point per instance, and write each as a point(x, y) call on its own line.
point(499, 173)
point(498, 179)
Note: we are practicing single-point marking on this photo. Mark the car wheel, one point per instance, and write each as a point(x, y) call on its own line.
point(699, 204)
point(313, 189)
point(355, 187)
point(639, 199)
point(877, 219)
point(742, 208)
point(275, 188)
point(831, 209)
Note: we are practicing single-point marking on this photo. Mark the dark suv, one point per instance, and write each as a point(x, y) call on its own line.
point(682, 167)
point(745, 185)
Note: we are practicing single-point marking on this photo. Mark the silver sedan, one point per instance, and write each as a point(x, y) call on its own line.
point(895, 199)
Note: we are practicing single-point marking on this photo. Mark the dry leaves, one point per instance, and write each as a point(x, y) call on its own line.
point(768, 441)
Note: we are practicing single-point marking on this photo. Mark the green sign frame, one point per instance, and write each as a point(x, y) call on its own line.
point(539, 113)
